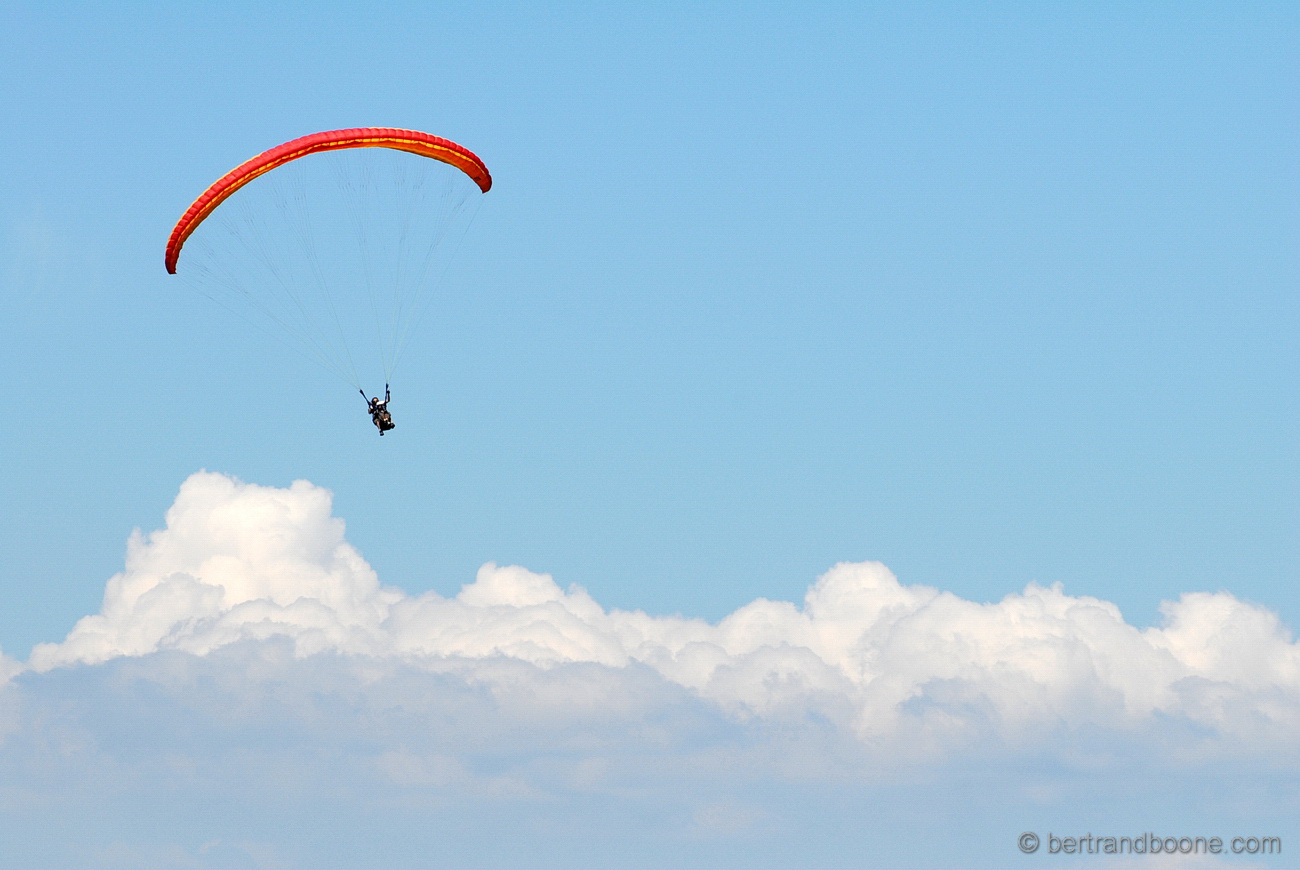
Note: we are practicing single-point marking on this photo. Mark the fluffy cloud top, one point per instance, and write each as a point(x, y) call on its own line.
point(244, 563)
point(250, 695)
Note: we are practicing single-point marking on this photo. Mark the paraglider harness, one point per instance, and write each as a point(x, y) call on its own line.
point(379, 411)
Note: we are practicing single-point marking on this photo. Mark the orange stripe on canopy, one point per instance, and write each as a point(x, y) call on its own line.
point(413, 141)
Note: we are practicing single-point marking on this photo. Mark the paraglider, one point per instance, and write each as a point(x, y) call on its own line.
point(378, 411)
point(338, 253)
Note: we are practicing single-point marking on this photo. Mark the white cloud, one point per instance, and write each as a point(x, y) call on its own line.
point(248, 676)
point(244, 563)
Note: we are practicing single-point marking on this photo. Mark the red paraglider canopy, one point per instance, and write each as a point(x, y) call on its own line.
point(412, 141)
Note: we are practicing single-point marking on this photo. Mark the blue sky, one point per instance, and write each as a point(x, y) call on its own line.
point(993, 298)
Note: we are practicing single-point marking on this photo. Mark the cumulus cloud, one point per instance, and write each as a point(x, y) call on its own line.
point(239, 563)
point(249, 681)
